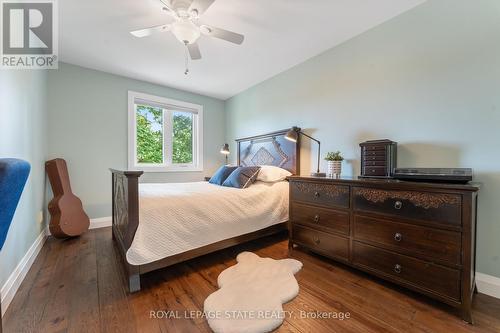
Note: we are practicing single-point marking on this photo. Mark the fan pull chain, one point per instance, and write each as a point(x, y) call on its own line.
point(186, 72)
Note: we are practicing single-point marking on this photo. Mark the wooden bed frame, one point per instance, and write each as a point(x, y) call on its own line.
point(267, 149)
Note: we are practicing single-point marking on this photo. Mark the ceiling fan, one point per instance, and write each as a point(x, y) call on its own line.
point(187, 28)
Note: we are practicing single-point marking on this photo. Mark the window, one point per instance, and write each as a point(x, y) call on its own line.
point(164, 134)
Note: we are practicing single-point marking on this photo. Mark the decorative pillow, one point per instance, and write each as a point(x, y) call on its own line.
point(221, 175)
point(242, 177)
point(272, 174)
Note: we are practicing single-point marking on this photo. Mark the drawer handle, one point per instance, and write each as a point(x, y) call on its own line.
point(316, 218)
point(316, 240)
point(397, 268)
point(398, 205)
point(316, 194)
point(398, 237)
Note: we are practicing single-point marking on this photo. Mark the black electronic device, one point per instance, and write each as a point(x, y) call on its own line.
point(449, 175)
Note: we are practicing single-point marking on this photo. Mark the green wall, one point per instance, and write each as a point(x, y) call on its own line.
point(23, 131)
point(88, 127)
point(429, 79)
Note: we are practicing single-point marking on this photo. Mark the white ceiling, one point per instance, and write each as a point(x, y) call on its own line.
point(279, 34)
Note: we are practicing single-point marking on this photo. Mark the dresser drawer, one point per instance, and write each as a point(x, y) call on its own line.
point(329, 195)
point(381, 157)
point(375, 171)
point(374, 147)
point(375, 153)
point(432, 207)
point(328, 244)
point(375, 163)
point(420, 274)
point(430, 243)
point(336, 221)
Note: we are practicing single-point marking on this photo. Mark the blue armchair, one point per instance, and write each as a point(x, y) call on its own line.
point(13, 176)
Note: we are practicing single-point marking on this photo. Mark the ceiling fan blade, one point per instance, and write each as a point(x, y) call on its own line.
point(194, 51)
point(168, 7)
point(149, 31)
point(200, 6)
point(229, 36)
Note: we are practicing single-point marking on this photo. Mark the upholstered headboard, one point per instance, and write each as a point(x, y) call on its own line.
point(269, 149)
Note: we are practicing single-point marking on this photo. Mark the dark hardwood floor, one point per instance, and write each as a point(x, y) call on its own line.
point(77, 286)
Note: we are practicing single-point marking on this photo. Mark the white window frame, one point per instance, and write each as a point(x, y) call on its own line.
point(169, 106)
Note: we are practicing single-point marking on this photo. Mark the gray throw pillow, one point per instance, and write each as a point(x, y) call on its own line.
point(242, 177)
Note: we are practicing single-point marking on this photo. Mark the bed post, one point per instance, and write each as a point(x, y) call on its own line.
point(125, 214)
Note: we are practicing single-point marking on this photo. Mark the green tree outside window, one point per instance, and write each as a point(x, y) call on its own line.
point(183, 138)
point(150, 138)
point(149, 134)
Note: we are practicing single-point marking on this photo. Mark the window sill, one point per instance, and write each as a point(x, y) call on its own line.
point(166, 170)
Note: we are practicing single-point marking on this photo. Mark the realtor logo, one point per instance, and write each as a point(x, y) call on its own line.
point(29, 34)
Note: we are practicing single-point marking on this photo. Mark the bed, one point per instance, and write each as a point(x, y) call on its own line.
point(159, 225)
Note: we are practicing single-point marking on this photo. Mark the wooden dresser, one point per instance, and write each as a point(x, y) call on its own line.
point(418, 235)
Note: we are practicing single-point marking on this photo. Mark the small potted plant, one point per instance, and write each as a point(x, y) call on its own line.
point(334, 160)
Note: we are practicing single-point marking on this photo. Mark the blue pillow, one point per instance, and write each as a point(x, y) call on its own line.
point(220, 175)
point(242, 177)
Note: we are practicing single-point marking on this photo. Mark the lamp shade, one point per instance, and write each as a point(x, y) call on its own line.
point(292, 134)
point(225, 149)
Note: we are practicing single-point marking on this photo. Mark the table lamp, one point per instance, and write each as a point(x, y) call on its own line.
point(225, 150)
point(293, 135)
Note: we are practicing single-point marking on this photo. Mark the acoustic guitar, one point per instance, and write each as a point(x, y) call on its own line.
point(68, 219)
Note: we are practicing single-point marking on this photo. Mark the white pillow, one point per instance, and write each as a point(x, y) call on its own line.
point(272, 174)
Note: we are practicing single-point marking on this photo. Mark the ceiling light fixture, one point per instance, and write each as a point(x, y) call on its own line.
point(186, 27)
point(186, 31)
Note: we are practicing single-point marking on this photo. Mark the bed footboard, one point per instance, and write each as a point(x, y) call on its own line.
point(125, 213)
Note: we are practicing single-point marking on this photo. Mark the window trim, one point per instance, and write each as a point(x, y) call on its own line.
point(170, 106)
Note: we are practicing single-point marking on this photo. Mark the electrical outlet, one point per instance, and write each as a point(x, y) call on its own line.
point(39, 217)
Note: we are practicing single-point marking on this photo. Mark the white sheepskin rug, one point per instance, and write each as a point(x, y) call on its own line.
point(251, 295)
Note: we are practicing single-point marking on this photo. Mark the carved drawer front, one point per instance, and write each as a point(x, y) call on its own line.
point(418, 273)
point(429, 243)
point(433, 207)
point(323, 242)
point(321, 194)
point(335, 221)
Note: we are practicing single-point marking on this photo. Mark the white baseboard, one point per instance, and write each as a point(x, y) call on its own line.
point(102, 222)
point(487, 284)
point(15, 279)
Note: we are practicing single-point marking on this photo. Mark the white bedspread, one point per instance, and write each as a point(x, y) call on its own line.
point(175, 218)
